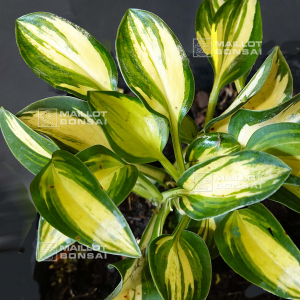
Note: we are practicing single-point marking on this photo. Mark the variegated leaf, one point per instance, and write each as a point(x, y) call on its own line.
point(69, 197)
point(204, 21)
point(65, 120)
point(30, 149)
point(65, 55)
point(281, 140)
point(289, 194)
point(188, 130)
point(136, 281)
point(206, 230)
point(277, 88)
point(271, 85)
point(50, 241)
point(245, 122)
point(211, 145)
point(154, 65)
point(180, 266)
point(223, 184)
point(115, 176)
point(134, 133)
point(253, 243)
point(236, 38)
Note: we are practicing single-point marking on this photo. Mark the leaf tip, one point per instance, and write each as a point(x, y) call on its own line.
point(18, 21)
point(132, 10)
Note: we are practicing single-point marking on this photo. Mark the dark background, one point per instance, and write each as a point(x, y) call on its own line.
point(19, 86)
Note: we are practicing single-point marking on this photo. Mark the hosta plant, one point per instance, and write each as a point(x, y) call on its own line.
point(90, 151)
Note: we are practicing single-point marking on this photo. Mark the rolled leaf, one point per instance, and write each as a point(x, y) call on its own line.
point(160, 221)
point(179, 211)
point(289, 194)
point(245, 122)
point(180, 266)
point(253, 243)
point(206, 230)
point(30, 149)
point(223, 184)
point(150, 187)
point(278, 86)
point(271, 85)
point(188, 130)
point(50, 241)
point(65, 120)
point(157, 174)
point(281, 140)
point(136, 281)
point(65, 55)
point(204, 22)
point(134, 133)
point(236, 38)
point(146, 188)
point(211, 145)
point(154, 65)
point(69, 197)
point(142, 191)
point(240, 83)
point(115, 176)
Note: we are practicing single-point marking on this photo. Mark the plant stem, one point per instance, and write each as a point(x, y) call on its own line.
point(160, 221)
point(177, 148)
point(238, 86)
point(181, 169)
point(182, 225)
point(172, 193)
point(185, 219)
point(151, 188)
point(212, 103)
point(169, 167)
